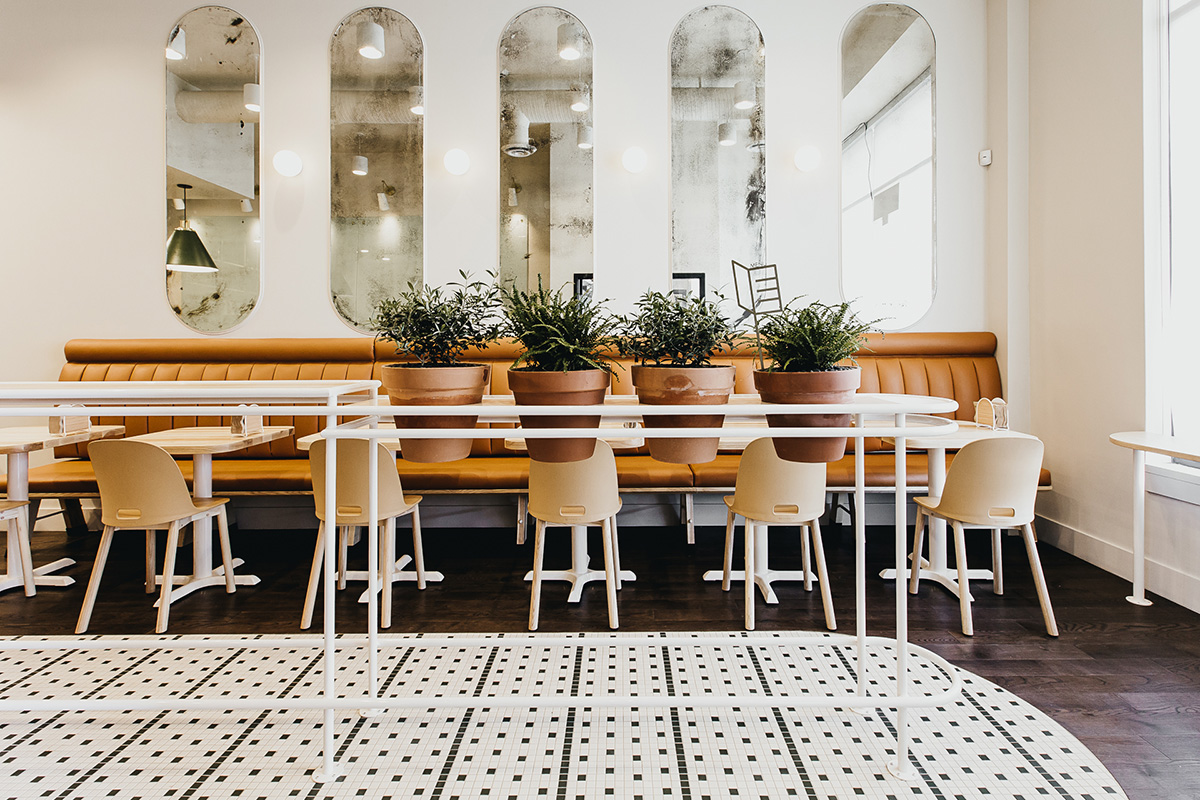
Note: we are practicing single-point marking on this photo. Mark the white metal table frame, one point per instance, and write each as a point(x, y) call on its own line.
point(16, 402)
point(1140, 443)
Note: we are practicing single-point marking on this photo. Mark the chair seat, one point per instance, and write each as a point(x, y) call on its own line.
point(11, 505)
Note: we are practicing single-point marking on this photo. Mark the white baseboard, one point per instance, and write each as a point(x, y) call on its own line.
point(1161, 579)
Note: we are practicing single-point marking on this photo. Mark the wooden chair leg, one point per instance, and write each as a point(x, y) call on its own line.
point(168, 580)
point(1039, 580)
point(806, 559)
point(343, 554)
point(616, 549)
point(21, 530)
point(997, 562)
point(89, 598)
point(388, 549)
point(728, 564)
point(226, 551)
point(610, 578)
point(522, 517)
point(535, 590)
point(418, 547)
point(823, 576)
point(151, 560)
point(749, 593)
point(914, 579)
point(964, 587)
point(314, 576)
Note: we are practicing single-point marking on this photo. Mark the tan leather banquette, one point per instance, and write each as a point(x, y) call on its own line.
point(958, 365)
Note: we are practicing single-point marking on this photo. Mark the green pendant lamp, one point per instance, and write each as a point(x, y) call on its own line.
point(185, 251)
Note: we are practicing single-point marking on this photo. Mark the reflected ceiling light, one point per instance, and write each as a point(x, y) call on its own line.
point(726, 134)
point(247, 206)
point(252, 97)
point(287, 163)
point(185, 251)
point(579, 99)
point(177, 45)
point(381, 197)
point(570, 42)
point(457, 162)
point(512, 196)
point(417, 94)
point(807, 158)
point(370, 40)
point(519, 145)
point(744, 95)
point(178, 203)
point(634, 159)
point(584, 137)
point(386, 258)
point(359, 167)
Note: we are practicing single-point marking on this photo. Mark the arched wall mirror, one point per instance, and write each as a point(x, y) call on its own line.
point(213, 269)
point(718, 144)
point(546, 156)
point(376, 238)
point(888, 165)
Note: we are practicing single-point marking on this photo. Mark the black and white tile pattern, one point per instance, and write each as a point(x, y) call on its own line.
point(987, 744)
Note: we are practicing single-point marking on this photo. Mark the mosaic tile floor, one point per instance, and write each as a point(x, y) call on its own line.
point(986, 744)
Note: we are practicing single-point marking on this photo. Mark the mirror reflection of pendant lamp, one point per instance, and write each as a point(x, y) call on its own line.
point(570, 42)
point(745, 95)
point(726, 134)
point(185, 251)
point(370, 40)
point(177, 45)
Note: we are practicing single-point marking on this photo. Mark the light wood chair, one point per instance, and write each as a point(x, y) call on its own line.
point(352, 489)
point(15, 513)
point(991, 483)
point(141, 488)
point(570, 494)
point(772, 491)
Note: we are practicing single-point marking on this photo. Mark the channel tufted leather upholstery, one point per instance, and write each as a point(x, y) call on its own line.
point(958, 365)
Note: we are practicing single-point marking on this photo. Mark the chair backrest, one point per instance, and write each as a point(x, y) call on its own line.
point(352, 486)
point(140, 484)
point(993, 482)
point(575, 492)
point(769, 489)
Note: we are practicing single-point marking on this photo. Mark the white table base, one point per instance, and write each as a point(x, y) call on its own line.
point(431, 576)
point(18, 489)
point(764, 576)
point(1138, 598)
point(579, 574)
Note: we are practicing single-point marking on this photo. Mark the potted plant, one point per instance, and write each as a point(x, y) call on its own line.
point(806, 346)
point(435, 325)
point(672, 340)
point(566, 361)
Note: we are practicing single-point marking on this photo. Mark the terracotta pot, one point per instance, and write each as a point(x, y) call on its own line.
point(414, 385)
point(575, 388)
point(664, 385)
point(834, 386)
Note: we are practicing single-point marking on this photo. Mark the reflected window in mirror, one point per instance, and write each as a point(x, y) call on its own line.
point(545, 151)
point(718, 148)
point(888, 165)
point(377, 112)
point(214, 239)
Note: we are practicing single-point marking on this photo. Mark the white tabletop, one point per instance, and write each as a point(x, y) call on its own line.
point(1158, 443)
point(967, 432)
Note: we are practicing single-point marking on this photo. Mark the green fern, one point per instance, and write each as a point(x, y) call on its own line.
point(679, 332)
point(813, 338)
point(436, 326)
point(559, 335)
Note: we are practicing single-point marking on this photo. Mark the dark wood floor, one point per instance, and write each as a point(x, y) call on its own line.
point(1124, 679)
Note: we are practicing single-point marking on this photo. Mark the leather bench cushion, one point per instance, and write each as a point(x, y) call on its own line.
point(878, 471)
point(492, 472)
point(643, 472)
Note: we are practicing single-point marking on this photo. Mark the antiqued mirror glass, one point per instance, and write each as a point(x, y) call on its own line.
point(376, 239)
point(888, 165)
point(213, 269)
point(718, 143)
point(546, 150)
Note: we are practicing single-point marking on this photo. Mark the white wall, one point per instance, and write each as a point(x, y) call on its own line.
point(82, 149)
point(1088, 278)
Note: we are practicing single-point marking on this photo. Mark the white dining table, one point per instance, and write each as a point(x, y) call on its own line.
point(16, 443)
point(936, 568)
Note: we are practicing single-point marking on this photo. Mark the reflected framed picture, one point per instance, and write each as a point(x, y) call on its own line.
point(687, 284)
point(583, 285)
